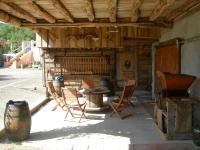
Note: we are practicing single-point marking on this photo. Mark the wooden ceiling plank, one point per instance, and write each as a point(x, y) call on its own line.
point(63, 10)
point(89, 10)
point(160, 8)
point(136, 4)
point(9, 19)
point(45, 15)
point(112, 8)
point(183, 10)
point(19, 12)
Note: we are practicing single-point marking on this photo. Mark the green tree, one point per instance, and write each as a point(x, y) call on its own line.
point(14, 36)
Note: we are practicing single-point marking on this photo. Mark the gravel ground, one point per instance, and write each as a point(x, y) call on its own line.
point(20, 84)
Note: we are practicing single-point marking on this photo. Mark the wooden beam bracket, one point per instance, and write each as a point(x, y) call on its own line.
point(89, 10)
point(112, 7)
point(136, 4)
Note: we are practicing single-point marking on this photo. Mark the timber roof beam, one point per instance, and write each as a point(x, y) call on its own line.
point(187, 7)
point(112, 7)
point(19, 12)
point(160, 8)
point(63, 10)
point(89, 10)
point(9, 19)
point(136, 4)
point(97, 24)
point(40, 11)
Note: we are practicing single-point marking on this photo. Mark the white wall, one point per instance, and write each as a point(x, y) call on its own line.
point(188, 29)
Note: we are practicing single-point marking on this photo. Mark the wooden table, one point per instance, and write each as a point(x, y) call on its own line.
point(94, 99)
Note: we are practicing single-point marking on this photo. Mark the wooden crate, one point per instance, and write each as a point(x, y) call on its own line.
point(176, 121)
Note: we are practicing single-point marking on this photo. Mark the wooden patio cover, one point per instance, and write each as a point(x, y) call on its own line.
point(94, 13)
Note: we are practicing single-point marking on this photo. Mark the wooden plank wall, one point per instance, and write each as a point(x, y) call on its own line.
point(142, 48)
point(64, 42)
point(144, 67)
point(59, 62)
point(102, 37)
point(167, 58)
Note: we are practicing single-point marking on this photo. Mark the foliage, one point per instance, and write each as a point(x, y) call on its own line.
point(14, 36)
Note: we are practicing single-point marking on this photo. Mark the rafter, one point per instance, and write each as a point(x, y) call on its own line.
point(9, 19)
point(63, 10)
point(136, 4)
point(112, 7)
point(160, 8)
point(17, 11)
point(40, 11)
point(186, 8)
point(89, 10)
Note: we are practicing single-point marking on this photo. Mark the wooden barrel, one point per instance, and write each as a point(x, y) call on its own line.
point(57, 85)
point(17, 120)
point(104, 82)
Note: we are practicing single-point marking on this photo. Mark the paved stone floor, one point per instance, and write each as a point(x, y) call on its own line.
point(49, 130)
point(99, 131)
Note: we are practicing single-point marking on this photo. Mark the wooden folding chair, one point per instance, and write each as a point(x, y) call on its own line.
point(59, 100)
point(131, 82)
point(121, 104)
point(71, 100)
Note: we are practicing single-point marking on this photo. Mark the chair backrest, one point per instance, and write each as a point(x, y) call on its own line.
point(53, 93)
point(128, 91)
point(87, 84)
point(126, 94)
point(52, 90)
point(129, 88)
point(70, 95)
point(131, 82)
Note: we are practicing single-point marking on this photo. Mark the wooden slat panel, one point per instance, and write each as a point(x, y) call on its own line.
point(167, 59)
point(85, 65)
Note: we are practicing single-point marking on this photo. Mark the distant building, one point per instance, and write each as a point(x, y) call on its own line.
point(27, 56)
point(31, 46)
